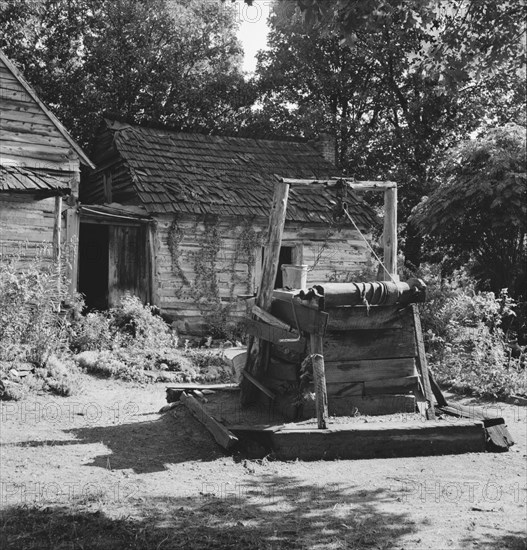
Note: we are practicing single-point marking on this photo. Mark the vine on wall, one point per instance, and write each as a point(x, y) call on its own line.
point(201, 286)
point(175, 236)
point(248, 243)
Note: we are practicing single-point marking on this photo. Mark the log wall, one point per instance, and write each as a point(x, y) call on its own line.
point(180, 288)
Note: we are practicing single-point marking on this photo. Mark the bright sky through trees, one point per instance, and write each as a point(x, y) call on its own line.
point(252, 30)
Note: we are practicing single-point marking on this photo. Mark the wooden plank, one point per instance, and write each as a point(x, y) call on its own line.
point(402, 385)
point(371, 405)
point(363, 318)
point(274, 335)
point(356, 185)
point(366, 370)
point(498, 436)
point(421, 363)
point(379, 440)
point(344, 390)
point(283, 370)
point(438, 394)
point(369, 344)
point(174, 392)
point(257, 384)
point(258, 351)
point(221, 434)
point(298, 315)
point(389, 236)
point(319, 379)
point(266, 317)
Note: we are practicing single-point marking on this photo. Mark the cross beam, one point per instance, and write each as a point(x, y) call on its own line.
point(390, 213)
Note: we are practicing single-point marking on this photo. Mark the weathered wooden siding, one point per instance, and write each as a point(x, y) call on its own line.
point(27, 135)
point(181, 270)
point(26, 226)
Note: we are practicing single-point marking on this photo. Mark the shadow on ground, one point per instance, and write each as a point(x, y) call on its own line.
point(279, 513)
point(144, 447)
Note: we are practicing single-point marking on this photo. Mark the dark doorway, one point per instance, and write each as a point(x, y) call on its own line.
point(93, 264)
point(286, 257)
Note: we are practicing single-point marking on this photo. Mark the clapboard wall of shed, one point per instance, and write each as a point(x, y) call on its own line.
point(26, 226)
point(330, 256)
point(27, 135)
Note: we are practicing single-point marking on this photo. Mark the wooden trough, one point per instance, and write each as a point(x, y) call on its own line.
point(358, 349)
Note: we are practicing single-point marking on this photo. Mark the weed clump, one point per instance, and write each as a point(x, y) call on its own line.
point(467, 335)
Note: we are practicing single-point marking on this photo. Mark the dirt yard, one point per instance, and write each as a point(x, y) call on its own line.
point(104, 470)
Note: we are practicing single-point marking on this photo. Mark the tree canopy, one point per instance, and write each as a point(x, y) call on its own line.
point(479, 212)
point(385, 89)
point(176, 62)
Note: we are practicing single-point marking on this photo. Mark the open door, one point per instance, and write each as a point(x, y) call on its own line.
point(115, 256)
point(129, 263)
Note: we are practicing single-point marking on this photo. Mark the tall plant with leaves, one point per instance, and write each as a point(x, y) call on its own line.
point(479, 212)
point(31, 325)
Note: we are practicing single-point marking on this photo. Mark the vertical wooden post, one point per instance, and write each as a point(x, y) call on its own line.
point(257, 350)
point(72, 246)
point(152, 263)
point(57, 232)
point(390, 233)
point(422, 365)
point(57, 228)
point(319, 378)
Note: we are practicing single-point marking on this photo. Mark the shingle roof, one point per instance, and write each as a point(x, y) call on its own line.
point(202, 174)
point(18, 180)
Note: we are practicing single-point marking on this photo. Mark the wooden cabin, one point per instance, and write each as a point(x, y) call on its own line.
point(179, 219)
point(39, 164)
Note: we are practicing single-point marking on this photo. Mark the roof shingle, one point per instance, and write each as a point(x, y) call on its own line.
point(178, 172)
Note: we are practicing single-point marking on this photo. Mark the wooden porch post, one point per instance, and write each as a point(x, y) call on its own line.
point(390, 232)
point(257, 350)
point(57, 232)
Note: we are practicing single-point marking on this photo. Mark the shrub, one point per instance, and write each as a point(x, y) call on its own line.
point(136, 325)
point(91, 332)
point(466, 335)
point(129, 341)
point(32, 327)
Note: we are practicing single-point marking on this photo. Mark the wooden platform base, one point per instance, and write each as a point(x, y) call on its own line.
point(368, 440)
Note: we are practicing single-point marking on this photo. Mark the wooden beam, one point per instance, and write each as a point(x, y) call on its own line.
point(368, 370)
point(174, 392)
point(258, 351)
point(57, 228)
point(152, 263)
point(372, 185)
point(352, 184)
point(257, 384)
point(72, 240)
point(221, 434)
point(422, 365)
point(270, 319)
point(378, 440)
point(438, 394)
point(319, 380)
point(299, 316)
point(390, 233)
point(275, 335)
